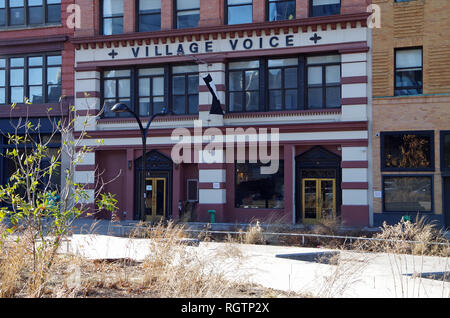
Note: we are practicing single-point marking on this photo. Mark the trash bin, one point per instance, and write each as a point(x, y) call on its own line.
point(212, 214)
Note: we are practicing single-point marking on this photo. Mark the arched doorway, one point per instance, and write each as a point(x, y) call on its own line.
point(318, 185)
point(158, 185)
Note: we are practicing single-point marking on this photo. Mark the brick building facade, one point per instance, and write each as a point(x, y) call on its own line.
point(300, 67)
point(411, 100)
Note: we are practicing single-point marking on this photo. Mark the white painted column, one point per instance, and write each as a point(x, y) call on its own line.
point(87, 100)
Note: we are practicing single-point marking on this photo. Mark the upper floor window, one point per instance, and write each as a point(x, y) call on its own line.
point(151, 91)
point(188, 13)
point(408, 72)
point(277, 84)
point(243, 86)
point(149, 15)
point(37, 77)
point(239, 11)
point(185, 89)
point(283, 84)
point(324, 81)
point(148, 91)
point(281, 10)
point(29, 12)
point(116, 89)
point(112, 17)
point(324, 7)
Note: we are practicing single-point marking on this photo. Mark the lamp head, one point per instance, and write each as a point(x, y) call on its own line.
point(119, 108)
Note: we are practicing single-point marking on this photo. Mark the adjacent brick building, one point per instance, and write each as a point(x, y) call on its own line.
point(411, 109)
point(36, 63)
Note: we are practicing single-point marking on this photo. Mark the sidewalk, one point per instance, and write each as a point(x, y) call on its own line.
point(309, 271)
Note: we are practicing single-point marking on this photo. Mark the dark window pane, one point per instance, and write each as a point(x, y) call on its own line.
point(407, 151)
point(124, 88)
point(328, 7)
point(2, 77)
point(193, 84)
point(108, 104)
point(240, 14)
point(236, 82)
point(256, 190)
point(290, 78)
point(193, 104)
point(188, 19)
point(144, 87)
point(446, 151)
point(17, 16)
point(407, 194)
point(236, 102)
point(54, 93)
point(275, 100)
point(333, 98)
point(54, 60)
point(291, 99)
point(158, 105)
point(150, 22)
point(54, 13)
point(179, 104)
point(315, 97)
point(252, 101)
point(158, 86)
point(109, 89)
point(36, 15)
point(179, 85)
point(2, 17)
point(411, 78)
point(282, 10)
point(113, 26)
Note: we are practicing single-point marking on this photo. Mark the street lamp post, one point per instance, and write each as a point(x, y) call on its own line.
point(122, 108)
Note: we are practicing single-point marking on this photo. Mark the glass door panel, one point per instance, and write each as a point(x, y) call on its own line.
point(319, 199)
point(327, 191)
point(309, 199)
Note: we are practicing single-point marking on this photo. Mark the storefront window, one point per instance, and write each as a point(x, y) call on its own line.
point(259, 191)
point(407, 150)
point(408, 193)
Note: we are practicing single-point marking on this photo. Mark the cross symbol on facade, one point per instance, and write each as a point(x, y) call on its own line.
point(113, 54)
point(315, 38)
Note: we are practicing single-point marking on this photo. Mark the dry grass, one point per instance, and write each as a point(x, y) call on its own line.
point(171, 269)
point(400, 235)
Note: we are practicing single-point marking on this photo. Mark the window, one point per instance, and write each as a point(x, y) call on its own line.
point(408, 193)
point(112, 17)
point(324, 7)
point(281, 10)
point(445, 150)
point(116, 89)
point(407, 151)
point(259, 191)
point(151, 91)
point(408, 72)
point(149, 15)
point(148, 91)
point(239, 11)
point(185, 81)
point(324, 81)
point(188, 13)
point(243, 83)
point(29, 12)
point(283, 84)
point(37, 77)
point(192, 190)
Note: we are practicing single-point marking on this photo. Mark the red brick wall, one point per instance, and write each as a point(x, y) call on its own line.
point(211, 12)
point(167, 19)
point(129, 16)
point(90, 18)
point(354, 6)
point(259, 10)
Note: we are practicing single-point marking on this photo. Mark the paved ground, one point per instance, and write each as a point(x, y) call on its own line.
point(297, 269)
